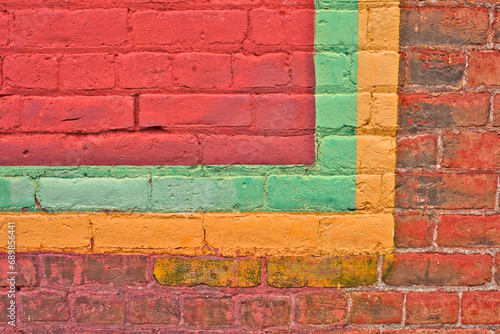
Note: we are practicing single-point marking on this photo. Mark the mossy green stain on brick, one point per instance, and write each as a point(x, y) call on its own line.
point(295, 272)
point(248, 272)
point(17, 193)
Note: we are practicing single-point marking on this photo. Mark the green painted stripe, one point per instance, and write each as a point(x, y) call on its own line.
point(327, 186)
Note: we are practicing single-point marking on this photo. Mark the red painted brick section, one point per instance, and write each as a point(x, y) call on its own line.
point(154, 309)
point(44, 306)
point(437, 269)
point(31, 71)
point(458, 148)
point(496, 110)
point(10, 113)
point(94, 71)
point(285, 112)
point(377, 307)
point(269, 70)
point(322, 308)
point(265, 312)
point(98, 308)
point(412, 230)
point(481, 307)
point(302, 67)
point(202, 70)
point(431, 308)
point(4, 28)
point(469, 231)
point(484, 67)
point(144, 70)
point(203, 311)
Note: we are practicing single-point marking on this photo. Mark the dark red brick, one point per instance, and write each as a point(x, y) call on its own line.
point(26, 268)
point(455, 26)
point(431, 308)
point(208, 311)
point(61, 270)
point(153, 308)
point(114, 269)
point(446, 190)
point(98, 308)
point(469, 231)
point(481, 307)
point(434, 68)
point(322, 308)
point(437, 269)
point(87, 71)
point(496, 110)
point(484, 68)
point(425, 112)
point(44, 306)
point(412, 230)
point(202, 70)
point(457, 148)
point(4, 304)
point(377, 307)
point(265, 312)
point(30, 71)
point(268, 70)
point(144, 70)
point(417, 152)
point(10, 113)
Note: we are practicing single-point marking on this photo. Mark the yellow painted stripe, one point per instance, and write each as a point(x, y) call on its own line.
point(225, 234)
point(378, 67)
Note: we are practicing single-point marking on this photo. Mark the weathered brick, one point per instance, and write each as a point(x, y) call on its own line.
point(31, 71)
point(115, 270)
point(153, 308)
point(194, 28)
point(16, 193)
point(10, 113)
point(437, 269)
point(208, 311)
point(98, 308)
point(431, 308)
point(480, 307)
point(432, 26)
point(484, 67)
point(268, 70)
point(377, 307)
point(424, 112)
point(195, 110)
point(285, 112)
point(61, 270)
point(346, 271)
point(144, 70)
point(202, 70)
point(4, 311)
point(265, 312)
point(77, 113)
point(25, 277)
point(446, 191)
point(469, 231)
point(417, 152)
point(44, 306)
point(322, 308)
point(497, 265)
point(412, 230)
point(496, 110)
point(457, 150)
point(248, 272)
point(63, 28)
point(87, 71)
point(433, 68)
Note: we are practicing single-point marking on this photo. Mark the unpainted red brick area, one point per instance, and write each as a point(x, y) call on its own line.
point(443, 277)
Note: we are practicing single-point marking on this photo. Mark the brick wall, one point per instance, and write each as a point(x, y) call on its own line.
point(442, 277)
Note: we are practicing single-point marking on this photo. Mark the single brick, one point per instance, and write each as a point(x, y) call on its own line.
point(265, 312)
point(98, 308)
point(333, 73)
point(481, 307)
point(141, 149)
point(30, 71)
point(107, 193)
point(377, 307)
point(328, 115)
point(248, 272)
point(258, 150)
point(431, 308)
point(5, 303)
point(437, 269)
point(61, 270)
point(16, 193)
point(469, 231)
point(197, 110)
point(208, 311)
point(424, 112)
point(10, 112)
point(26, 268)
point(457, 150)
point(338, 153)
point(311, 193)
point(87, 71)
point(44, 306)
point(303, 73)
point(144, 70)
point(116, 270)
point(202, 70)
point(347, 271)
point(446, 191)
point(432, 26)
point(280, 112)
point(77, 113)
point(375, 70)
point(417, 152)
point(181, 194)
point(484, 67)
point(345, 25)
point(322, 308)
point(154, 308)
point(266, 71)
point(69, 28)
point(412, 230)
point(275, 27)
point(190, 27)
point(434, 68)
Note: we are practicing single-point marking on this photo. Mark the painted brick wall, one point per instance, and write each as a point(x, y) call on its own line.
point(444, 271)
